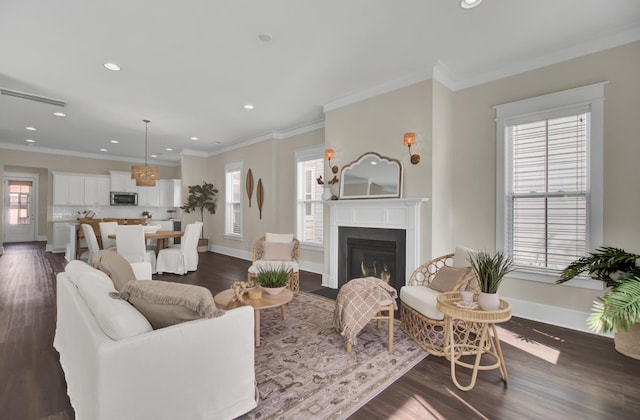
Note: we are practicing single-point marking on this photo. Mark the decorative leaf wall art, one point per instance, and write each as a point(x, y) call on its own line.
point(249, 185)
point(260, 196)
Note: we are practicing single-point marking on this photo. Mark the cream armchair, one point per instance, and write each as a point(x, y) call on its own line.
point(274, 250)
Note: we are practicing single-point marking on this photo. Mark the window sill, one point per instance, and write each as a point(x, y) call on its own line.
point(312, 246)
point(550, 277)
point(233, 237)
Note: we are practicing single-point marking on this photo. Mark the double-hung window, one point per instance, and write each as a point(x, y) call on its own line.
point(233, 204)
point(549, 180)
point(309, 211)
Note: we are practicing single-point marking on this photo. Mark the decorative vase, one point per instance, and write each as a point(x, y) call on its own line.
point(326, 194)
point(489, 301)
point(273, 290)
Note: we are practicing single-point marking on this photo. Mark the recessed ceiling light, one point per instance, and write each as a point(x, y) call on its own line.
point(30, 141)
point(59, 114)
point(265, 36)
point(248, 106)
point(154, 156)
point(30, 128)
point(168, 149)
point(103, 150)
point(114, 141)
point(469, 4)
point(194, 138)
point(112, 66)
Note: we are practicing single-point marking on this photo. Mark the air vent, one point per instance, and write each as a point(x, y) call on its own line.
point(32, 97)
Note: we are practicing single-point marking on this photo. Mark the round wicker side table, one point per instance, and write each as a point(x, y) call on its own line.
point(477, 335)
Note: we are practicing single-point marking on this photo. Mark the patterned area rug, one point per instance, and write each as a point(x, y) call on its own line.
point(304, 371)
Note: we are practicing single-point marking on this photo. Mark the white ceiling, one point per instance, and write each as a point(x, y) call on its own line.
point(190, 66)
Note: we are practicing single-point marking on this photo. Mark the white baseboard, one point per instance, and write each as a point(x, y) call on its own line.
point(232, 252)
point(48, 248)
point(554, 315)
point(311, 267)
point(41, 238)
point(1, 250)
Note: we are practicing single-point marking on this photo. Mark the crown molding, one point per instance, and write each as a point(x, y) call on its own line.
point(36, 149)
point(196, 153)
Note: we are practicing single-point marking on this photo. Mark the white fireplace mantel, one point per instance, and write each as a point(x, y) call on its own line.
point(400, 213)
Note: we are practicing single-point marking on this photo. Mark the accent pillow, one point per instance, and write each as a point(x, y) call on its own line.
point(76, 270)
point(166, 303)
point(283, 238)
point(117, 318)
point(276, 251)
point(447, 277)
point(114, 266)
point(462, 257)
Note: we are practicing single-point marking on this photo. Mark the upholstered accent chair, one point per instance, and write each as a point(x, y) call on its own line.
point(421, 320)
point(275, 250)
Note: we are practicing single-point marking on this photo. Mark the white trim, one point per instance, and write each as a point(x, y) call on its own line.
point(35, 201)
point(230, 167)
point(590, 95)
point(196, 153)
point(554, 315)
point(311, 267)
point(302, 155)
point(1, 249)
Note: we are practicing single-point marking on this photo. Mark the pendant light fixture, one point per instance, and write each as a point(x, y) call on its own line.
point(145, 176)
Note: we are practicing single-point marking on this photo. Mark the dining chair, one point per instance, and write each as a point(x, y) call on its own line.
point(92, 241)
point(184, 257)
point(130, 243)
point(106, 229)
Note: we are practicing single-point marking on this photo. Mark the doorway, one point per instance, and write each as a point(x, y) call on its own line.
point(20, 207)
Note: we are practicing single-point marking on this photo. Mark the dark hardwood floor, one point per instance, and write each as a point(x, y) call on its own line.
point(554, 373)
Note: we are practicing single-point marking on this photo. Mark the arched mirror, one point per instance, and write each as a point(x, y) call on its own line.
point(371, 176)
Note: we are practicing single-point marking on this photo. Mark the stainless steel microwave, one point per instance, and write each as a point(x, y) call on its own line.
point(124, 199)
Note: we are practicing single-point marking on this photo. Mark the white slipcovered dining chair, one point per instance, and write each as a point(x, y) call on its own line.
point(106, 229)
point(130, 243)
point(182, 258)
point(92, 241)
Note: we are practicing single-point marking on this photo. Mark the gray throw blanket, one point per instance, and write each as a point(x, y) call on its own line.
point(358, 301)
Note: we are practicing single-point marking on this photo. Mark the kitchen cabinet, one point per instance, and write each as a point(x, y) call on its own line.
point(170, 193)
point(68, 189)
point(122, 182)
point(148, 196)
point(96, 190)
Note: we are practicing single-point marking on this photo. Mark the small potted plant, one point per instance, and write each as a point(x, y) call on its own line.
point(201, 197)
point(490, 271)
point(273, 279)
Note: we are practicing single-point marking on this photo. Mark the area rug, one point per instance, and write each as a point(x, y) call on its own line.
point(303, 370)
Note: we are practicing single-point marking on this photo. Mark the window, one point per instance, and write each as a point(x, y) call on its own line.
point(309, 211)
point(19, 201)
point(549, 183)
point(233, 196)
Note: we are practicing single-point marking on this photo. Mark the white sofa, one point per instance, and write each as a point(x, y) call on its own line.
point(201, 369)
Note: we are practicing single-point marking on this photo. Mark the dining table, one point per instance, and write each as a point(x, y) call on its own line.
point(161, 236)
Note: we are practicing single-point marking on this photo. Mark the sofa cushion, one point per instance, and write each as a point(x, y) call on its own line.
point(166, 303)
point(277, 251)
point(423, 299)
point(447, 277)
point(76, 270)
point(462, 257)
point(283, 238)
point(115, 266)
point(117, 318)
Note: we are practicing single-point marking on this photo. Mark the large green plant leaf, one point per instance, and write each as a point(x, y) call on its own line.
point(601, 264)
point(619, 308)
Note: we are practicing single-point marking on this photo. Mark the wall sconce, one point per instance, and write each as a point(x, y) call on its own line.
point(328, 154)
point(409, 140)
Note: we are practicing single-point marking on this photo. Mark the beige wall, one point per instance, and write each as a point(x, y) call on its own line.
point(43, 164)
point(377, 125)
point(474, 147)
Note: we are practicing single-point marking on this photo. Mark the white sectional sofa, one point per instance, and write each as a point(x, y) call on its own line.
point(201, 369)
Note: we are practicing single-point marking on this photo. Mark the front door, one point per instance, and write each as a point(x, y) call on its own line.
point(19, 207)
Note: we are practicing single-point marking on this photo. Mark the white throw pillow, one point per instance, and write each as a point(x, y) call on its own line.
point(462, 257)
point(283, 238)
point(77, 270)
point(117, 318)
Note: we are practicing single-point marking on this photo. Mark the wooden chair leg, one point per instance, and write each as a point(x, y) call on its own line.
point(348, 346)
point(391, 330)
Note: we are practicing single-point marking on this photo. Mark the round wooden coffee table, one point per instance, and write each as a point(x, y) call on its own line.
point(224, 299)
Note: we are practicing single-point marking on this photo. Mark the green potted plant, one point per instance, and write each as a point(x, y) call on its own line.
point(201, 197)
point(273, 279)
point(490, 270)
point(619, 309)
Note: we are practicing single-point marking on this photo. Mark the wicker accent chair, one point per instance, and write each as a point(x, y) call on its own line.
point(429, 331)
point(258, 253)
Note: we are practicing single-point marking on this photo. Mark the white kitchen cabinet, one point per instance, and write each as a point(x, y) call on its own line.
point(170, 193)
point(122, 182)
point(68, 189)
point(96, 190)
point(148, 196)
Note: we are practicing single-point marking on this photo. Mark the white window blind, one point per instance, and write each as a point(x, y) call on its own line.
point(309, 205)
point(549, 197)
point(233, 197)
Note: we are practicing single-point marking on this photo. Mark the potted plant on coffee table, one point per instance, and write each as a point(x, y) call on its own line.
point(201, 197)
point(619, 309)
point(273, 279)
point(490, 270)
